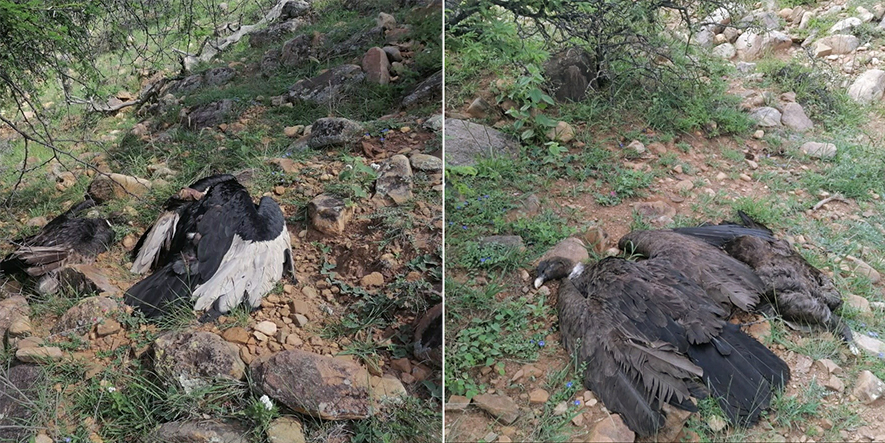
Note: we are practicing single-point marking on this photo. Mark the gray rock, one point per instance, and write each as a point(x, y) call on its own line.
point(20, 389)
point(705, 37)
point(188, 84)
point(285, 430)
point(328, 214)
point(274, 33)
point(819, 150)
point(510, 241)
point(766, 117)
point(333, 131)
point(207, 115)
point(731, 34)
point(39, 354)
point(794, 118)
point(751, 46)
point(218, 76)
point(434, 123)
point(395, 179)
point(296, 52)
point(725, 50)
point(868, 87)
point(479, 108)
point(325, 387)
point(82, 317)
point(501, 407)
point(868, 388)
point(294, 9)
point(393, 53)
point(270, 62)
point(193, 359)
point(745, 67)
point(325, 86)
point(864, 14)
point(200, 432)
point(376, 66)
point(838, 44)
point(845, 25)
point(426, 162)
point(385, 20)
point(465, 141)
point(425, 90)
point(569, 73)
point(358, 42)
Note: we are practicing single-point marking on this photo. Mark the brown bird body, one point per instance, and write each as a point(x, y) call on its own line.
point(650, 336)
point(727, 280)
point(797, 290)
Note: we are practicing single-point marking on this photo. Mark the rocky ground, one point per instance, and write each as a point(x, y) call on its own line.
point(338, 122)
point(532, 391)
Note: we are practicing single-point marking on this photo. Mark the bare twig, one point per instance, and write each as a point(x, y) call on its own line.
point(836, 197)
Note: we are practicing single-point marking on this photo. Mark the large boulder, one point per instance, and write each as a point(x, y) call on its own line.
point(569, 73)
point(836, 44)
point(333, 131)
point(794, 118)
point(207, 115)
point(296, 52)
point(466, 141)
point(868, 87)
point(193, 359)
point(395, 179)
point(325, 86)
point(751, 46)
point(376, 66)
point(85, 315)
point(274, 33)
point(325, 387)
point(424, 91)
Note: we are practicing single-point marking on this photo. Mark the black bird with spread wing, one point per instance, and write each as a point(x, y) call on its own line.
point(649, 336)
point(224, 250)
point(67, 239)
point(797, 290)
point(152, 249)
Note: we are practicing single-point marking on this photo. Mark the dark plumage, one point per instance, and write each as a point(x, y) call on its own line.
point(726, 280)
point(428, 337)
point(650, 336)
point(224, 250)
point(797, 290)
point(67, 239)
point(152, 249)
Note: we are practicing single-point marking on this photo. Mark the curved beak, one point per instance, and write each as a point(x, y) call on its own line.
point(539, 281)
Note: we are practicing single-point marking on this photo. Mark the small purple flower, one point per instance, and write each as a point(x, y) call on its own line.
point(382, 139)
point(464, 227)
point(384, 130)
point(863, 325)
point(541, 343)
point(881, 355)
point(368, 135)
point(483, 260)
point(873, 334)
point(531, 342)
point(568, 385)
point(486, 196)
point(614, 194)
point(451, 223)
point(459, 207)
point(577, 402)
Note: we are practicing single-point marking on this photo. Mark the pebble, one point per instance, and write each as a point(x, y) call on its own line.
point(267, 328)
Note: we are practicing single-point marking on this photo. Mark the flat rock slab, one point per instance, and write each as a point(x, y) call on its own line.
point(868, 86)
point(22, 384)
point(39, 354)
point(424, 91)
point(82, 317)
point(333, 131)
point(325, 387)
point(819, 150)
point(194, 358)
point(501, 407)
point(467, 141)
point(325, 86)
point(208, 115)
point(200, 432)
point(426, 162)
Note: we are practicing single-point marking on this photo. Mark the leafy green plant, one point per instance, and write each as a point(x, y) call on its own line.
point(531, 122)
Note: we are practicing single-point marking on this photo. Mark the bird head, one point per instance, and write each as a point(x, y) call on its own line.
point(555, 268)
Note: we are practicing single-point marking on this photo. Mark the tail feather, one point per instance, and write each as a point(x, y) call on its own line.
point(156, 292)
point(741, 373)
